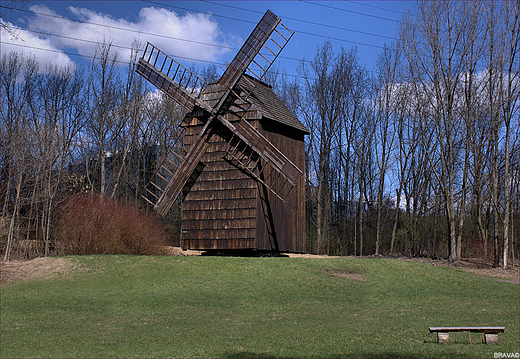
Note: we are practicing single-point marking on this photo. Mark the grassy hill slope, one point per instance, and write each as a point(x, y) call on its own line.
point(126, 306)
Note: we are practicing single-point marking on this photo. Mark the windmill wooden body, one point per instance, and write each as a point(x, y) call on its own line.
point(238, 166)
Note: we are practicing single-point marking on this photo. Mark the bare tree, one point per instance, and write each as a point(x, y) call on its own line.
point(432, 46)
point(402, 155)
point(387, 86)
point(471, 90)
point(356, 88)
point(104, 123)
point(57, 114)
point(130, 112)
point(509, 93)
point(363, 146)
point(17, 82)
point(320, 116)
point(6, 12)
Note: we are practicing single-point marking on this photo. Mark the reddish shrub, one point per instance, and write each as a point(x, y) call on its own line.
point(98, 225)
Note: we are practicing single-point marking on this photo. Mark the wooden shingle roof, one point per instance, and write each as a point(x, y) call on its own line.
point(270, 105)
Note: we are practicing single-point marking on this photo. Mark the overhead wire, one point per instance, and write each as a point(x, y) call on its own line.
point(144, 32)
point(114, 27)
point(216, 15)
point(376, 7)
point(301, 20)
point(176, 38)
point(123, 47)
point(92, 57)
point(114, 45)
point(73, 38)
point(295, 30)
point(57, 51)
point(349, 11)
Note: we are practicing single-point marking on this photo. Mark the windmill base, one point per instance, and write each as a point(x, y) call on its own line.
point(242, 253)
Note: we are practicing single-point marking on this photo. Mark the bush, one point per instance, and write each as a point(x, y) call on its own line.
point(91, 224)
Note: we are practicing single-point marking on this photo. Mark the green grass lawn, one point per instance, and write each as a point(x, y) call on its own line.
point(226, 307)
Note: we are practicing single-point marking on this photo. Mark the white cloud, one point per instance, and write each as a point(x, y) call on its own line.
point(195, 29)
point(29, 45)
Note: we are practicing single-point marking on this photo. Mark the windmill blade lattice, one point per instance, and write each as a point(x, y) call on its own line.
point(250, 50)
point(170, 76)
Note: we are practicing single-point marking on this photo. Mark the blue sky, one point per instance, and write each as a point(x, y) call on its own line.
point(198, 32)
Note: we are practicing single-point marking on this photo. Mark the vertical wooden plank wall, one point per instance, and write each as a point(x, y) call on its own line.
point(219, 212)
point(288, 219)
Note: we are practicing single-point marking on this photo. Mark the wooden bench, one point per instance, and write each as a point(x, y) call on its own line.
point(490, 333)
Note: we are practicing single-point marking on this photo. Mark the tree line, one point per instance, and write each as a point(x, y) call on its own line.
point(419, 157)
point(69, 130)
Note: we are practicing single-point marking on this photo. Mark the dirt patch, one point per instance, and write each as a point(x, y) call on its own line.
point(177, 251)
point(44, 267)
point(348, 276)
point(475, 267)
point(471, 266)
point(502, 275)
point(16, 271)
point(307, 255)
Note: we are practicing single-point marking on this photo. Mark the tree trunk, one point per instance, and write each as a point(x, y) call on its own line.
point(360, 219)
point(12, 222)
point(396, 219)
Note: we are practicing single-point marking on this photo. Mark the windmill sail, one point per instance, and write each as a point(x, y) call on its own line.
point(172, 177)
point(188, 170)
point(250, 49)
point(170, 76)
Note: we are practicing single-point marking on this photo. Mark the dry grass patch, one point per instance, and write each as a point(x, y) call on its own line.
point(347, 275)
point(17, 271)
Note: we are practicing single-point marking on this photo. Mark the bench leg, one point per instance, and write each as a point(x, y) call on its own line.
point(443, 337)
point(490, 338)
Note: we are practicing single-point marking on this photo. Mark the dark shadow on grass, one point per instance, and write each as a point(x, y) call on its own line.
point(383, 354)
point(238, 355)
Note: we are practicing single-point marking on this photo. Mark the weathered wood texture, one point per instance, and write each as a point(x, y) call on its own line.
point(225, 208)
point(493, 330)
point(219, 211)
point(287, 218)
point(251, 47)
point(490, 333)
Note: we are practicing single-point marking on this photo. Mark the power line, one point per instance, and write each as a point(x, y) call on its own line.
point(129, 63)
point(118, 46)
point(301, 20)
point(251, 22)
point(350, 11)
point(202, 12)
point(97, 42)
point(56, 51)
point(158, 35)
point(74, 38)
point(233, 7)
point(338, 39)
point(376, 7)
point(186, 40)
point(93, 57)
point(129, 48)
point(116, 27)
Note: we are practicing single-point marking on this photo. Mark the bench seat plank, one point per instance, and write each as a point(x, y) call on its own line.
point(490, 333)
point(492, 330)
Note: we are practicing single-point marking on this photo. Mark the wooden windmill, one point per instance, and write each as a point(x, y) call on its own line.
point(238, 190)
